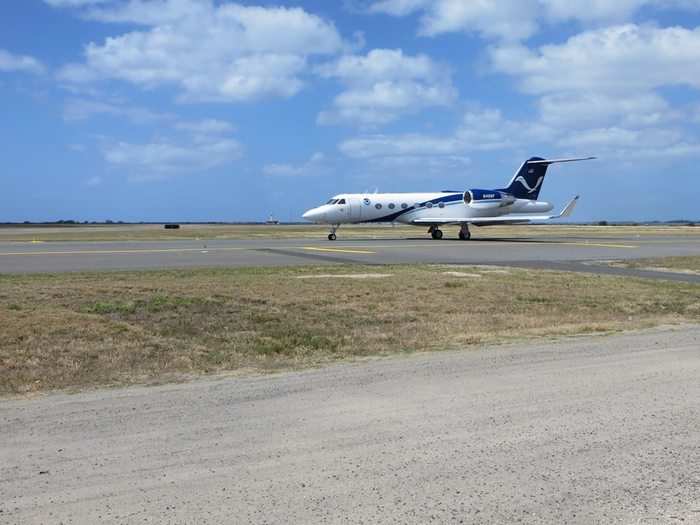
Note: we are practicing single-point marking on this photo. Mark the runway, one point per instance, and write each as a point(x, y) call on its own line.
point(543, 252)
point(585, 430)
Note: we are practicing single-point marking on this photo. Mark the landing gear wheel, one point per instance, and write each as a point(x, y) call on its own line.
point(331, 236)
point(437, 234)
point(464, 233)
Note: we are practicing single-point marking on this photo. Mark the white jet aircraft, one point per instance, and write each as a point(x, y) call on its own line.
point(517, 203)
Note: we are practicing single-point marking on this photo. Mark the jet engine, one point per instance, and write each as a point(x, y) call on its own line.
point(487, 199)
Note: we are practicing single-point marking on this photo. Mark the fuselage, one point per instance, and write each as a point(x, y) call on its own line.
point(350, 208)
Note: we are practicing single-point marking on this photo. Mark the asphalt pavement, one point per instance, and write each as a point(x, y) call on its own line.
point(567, 253)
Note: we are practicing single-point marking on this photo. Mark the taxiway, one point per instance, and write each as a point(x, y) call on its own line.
point(573, 254)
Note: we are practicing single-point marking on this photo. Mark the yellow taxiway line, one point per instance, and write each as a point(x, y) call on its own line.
point(338, 250)
point(126, 252)
point(597, 245)
point(360, 250)
point(178, 250)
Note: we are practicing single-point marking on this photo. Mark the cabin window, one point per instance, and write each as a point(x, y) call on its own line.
point(404, 206)
point(378, 206)
point(341, 201)
point(392, 206)
point(332, 201)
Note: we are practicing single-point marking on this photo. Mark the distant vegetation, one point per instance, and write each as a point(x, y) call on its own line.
point(72, 222)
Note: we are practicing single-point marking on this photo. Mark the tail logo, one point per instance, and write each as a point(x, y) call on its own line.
point(522, 181)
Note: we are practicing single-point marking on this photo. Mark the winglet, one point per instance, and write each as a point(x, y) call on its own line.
point(569, 209)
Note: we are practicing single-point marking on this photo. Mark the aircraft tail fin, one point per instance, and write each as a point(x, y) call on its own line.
point(527, 182)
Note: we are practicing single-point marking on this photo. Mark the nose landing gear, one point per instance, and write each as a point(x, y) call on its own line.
point(464, 233)
point(331, 235)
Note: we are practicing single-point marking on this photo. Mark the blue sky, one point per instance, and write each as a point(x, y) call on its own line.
point(212, 110)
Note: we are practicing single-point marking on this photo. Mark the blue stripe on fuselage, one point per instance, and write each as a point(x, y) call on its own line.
point(447, 199)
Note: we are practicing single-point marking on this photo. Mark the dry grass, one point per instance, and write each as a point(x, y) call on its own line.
point(77, 330)
point(156, 232)
point(680, 264)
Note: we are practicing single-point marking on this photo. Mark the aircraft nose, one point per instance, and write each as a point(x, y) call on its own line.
point(313, 215)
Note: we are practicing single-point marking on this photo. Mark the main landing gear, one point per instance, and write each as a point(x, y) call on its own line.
point(464, 233)
point(435, 232)
point(331, 235)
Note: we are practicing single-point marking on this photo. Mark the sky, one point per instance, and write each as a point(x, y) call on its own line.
point(210, 110)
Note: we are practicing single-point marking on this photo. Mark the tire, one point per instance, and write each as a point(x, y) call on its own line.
point(437, 234)
point(464, 237)
point(331, 236)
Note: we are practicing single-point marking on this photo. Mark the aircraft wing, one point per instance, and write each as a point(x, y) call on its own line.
point(502, 219)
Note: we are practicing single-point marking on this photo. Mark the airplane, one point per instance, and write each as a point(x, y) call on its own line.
point(515, 204)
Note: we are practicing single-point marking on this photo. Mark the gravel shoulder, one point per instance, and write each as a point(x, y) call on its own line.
point(583, 430)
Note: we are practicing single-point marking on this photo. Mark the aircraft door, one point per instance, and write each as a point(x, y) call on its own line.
point(343, 210)
point(353, 211)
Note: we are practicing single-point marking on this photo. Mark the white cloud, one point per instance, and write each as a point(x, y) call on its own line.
point(618, 59)
point(162, 158)
point(606, 84)
point(607, 11)
point(632, 144)
point(488, 130)
point(314, 166)
point(76, 74)
point(210, 52)
point(419, 165)
point(93, 181)
point(149, 12)
point(398, 7)
point(83, 109)
point(202, 145)
point(514, 20)
point(10, 63)
point(480, 130)
point(410, 144)
point(206, 127)
point(617, 137)
point(384, 84)
point(576, 110)
point(75, 3)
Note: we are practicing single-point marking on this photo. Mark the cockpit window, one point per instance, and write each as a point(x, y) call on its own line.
point(341, 201)
point(332, 201)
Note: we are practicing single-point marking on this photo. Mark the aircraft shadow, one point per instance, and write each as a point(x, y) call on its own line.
point(455, 239)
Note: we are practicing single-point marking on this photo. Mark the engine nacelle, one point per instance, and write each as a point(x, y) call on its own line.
point(525, 206)
point(487, 199)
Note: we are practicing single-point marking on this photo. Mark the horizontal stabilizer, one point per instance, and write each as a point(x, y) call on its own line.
point(558, 161)
point(569, 208)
